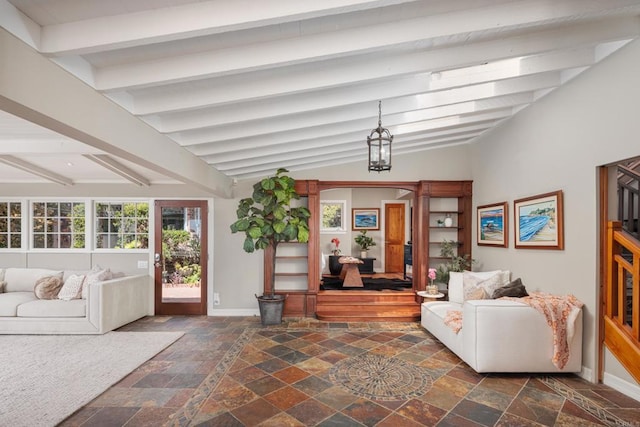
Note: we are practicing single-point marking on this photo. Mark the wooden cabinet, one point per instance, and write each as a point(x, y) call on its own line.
point(437, 200)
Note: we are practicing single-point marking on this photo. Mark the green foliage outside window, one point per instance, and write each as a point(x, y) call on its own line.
point(122, 225)
point(10, 225)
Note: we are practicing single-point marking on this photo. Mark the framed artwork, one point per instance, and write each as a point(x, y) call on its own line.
point(493, 225)
point(366, 219)
point(539, 222)
point(332, 216)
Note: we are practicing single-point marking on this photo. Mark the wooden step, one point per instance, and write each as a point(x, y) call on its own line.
point(367, 306)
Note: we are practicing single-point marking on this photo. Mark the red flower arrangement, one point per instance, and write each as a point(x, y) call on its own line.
point(336, 243)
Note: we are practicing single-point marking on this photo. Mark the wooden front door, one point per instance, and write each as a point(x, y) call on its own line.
point(394, 224)
point(180, 257)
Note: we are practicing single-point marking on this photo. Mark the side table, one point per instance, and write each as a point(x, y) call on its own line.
point(426, 295)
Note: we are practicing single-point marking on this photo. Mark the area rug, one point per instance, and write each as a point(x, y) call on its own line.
point(334, 284)
point(45, 378)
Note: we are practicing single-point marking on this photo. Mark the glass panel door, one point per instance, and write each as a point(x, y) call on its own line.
point(180, 257)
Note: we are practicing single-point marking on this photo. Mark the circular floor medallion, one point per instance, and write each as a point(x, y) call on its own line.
point(381, 378)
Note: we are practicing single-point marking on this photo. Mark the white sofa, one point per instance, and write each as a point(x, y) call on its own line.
point(499, 335)
point(106, 305)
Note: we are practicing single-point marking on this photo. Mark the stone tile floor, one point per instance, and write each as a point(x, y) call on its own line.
point(236, 372)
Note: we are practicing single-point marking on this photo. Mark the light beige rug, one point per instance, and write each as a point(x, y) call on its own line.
point(46, 378)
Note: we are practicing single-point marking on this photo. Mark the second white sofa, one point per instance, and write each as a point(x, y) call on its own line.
point(500, 335)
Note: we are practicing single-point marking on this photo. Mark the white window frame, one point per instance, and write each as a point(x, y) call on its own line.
point(94, 231)
point(23, 223)
point(88, 226)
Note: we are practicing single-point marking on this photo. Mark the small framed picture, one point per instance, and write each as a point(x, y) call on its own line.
point(366, 219)
point(493, 225)
point(539, 222)
point(332, 216)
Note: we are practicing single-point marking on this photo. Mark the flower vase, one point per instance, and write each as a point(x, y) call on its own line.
point(448, 221)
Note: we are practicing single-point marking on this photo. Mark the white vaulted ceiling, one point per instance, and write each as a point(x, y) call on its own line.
point(249, 86)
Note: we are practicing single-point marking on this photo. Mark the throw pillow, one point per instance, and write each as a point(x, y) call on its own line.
point(475, 287)
point(3, 284)
point(456, 292)
point(72, 287)
point(514, 289)
point(95, 276)
point(47, 287)
point(1, 274)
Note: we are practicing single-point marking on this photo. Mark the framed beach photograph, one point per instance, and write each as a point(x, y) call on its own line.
point(539, 222)
point(493, 225)
point(365, 219)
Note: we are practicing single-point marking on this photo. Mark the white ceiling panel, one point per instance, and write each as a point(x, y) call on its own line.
point(246, 87)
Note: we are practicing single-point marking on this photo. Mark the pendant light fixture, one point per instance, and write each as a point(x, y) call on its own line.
point(379, 142)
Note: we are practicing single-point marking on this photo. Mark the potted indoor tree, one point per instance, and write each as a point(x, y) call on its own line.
point(267, 218)
point(365, 242)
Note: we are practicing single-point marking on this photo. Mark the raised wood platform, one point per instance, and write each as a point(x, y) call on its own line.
point(367, 306)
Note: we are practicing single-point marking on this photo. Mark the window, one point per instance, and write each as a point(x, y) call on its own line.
point(332, 215)
point(10, 225)
point(58, 225)
point(122, 225)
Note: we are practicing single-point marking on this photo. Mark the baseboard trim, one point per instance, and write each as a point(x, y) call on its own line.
point(586, 374)
point(233, 312)
point(623, 386)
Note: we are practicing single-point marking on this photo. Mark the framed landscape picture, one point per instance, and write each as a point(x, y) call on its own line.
point(539, 222)
point(332, 217)
point(493, 225)
point(366, 219)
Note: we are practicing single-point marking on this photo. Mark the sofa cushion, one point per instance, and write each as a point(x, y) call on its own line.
point(475, 287)
point(456, 282)
point(514, 289)
point(53, 308)
point(10, 301)
point(72, 287)
point(24, 279)
point(48, 287)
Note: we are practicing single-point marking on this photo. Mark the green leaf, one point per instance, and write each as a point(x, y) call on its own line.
point(262, 243)
point(267, 230)
point(303, 234)
point(281, 196)
point(266, 200)
point(283, 182)
point(248, 245)
point(290, 232)
point(242, 224)
point(268, 183)
point(280, 212)
point(254, 232)
point(279, 226)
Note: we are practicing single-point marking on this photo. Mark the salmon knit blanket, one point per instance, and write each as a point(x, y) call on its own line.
point(560, 311)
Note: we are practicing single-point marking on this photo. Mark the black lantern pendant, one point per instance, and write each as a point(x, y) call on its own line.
point(379, 142)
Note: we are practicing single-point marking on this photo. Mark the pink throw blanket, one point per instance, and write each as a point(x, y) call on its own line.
point(453, 319)
point(561, 312)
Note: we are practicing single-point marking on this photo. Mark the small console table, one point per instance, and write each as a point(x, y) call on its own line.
point(367, 265)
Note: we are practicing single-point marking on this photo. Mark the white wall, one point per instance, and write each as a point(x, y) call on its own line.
point(557, 144)
point(238, 276)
